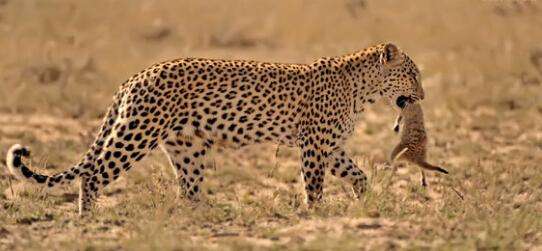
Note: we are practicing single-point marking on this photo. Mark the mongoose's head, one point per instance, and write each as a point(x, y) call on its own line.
point(412, 112)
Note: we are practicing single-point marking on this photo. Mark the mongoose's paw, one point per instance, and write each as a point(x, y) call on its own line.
point(396, 128)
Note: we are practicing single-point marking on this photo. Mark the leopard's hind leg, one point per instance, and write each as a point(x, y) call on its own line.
point(188, 157)
point(131, 139)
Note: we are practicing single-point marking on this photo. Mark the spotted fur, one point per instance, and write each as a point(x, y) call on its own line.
point(188, 107)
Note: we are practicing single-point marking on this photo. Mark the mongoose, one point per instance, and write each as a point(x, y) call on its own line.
point(413, 139)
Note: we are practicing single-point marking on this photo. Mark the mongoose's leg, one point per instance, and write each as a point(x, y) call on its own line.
point(424, 183)
point(397, 152)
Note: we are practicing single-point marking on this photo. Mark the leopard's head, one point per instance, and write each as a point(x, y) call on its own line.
point(400, 77)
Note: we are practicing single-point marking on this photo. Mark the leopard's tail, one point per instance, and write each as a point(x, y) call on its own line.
point(21, 171)
point(14, 159)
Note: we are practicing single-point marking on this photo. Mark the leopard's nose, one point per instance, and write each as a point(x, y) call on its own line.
point(421, 94)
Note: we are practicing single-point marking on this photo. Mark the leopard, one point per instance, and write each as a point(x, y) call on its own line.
point(190, 107)
point(413, 144)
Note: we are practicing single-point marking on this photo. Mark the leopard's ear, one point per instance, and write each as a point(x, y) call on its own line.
point(391, 55)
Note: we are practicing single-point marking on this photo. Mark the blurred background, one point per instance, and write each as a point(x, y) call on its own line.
point(82, 50)
point(481, 61)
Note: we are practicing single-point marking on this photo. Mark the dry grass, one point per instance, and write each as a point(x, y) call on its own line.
point(61, 61)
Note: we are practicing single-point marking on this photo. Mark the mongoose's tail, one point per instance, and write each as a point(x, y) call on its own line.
point(430, 167)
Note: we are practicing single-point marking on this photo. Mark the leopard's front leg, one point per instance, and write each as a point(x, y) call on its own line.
point(313, 169)
point(344, 168)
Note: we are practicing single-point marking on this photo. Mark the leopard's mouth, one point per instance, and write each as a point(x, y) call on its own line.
point(402, 101)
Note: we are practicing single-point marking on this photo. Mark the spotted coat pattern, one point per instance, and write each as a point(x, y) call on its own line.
point(189, 107)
